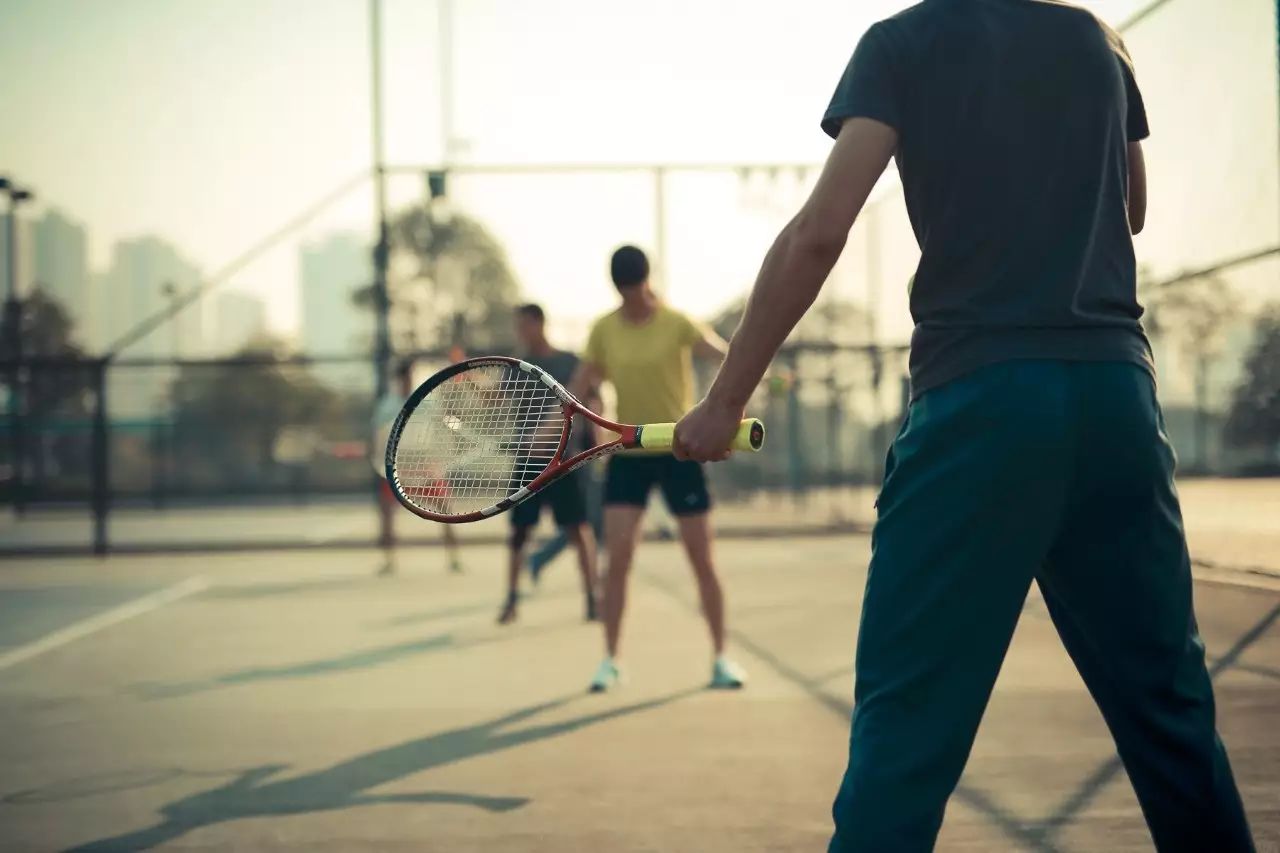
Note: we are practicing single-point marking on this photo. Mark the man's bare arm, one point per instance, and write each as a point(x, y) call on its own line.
point(711, 346)
point(802, 256)
point(586, 380)
point(1137, 188)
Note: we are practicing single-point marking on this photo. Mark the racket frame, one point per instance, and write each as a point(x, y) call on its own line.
point(628, 438)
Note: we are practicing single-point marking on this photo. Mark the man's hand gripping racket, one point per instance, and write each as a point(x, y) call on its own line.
point(485, 434)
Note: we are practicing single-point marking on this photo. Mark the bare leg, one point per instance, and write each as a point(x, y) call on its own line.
point(519, 535)
point(695, 533)
point(584, 542)
point(621, 532)
point(451, 549)
point(387, 536)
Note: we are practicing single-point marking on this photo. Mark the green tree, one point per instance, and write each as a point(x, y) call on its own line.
point(1254, 419)
point(449, 277)
point(61, 383)
point(51, 393)
point(229, 419)
point(47, 330)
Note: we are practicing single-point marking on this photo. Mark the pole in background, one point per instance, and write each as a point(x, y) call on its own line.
point(101, 462)
point(162, 432)
point(660, 227)
point(14, 332)
point(450, 144)
point(874, 354)
point(382, 248)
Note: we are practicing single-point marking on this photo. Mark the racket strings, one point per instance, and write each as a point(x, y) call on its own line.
point(477, 438)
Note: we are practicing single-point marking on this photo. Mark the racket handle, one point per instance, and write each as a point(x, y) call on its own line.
point(661, 436)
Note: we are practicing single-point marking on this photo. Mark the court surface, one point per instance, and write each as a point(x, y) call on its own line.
point(293, 700)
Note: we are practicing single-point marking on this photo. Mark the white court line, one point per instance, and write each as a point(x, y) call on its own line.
point(1251, 578)
point(94, 624)
point(323, 537)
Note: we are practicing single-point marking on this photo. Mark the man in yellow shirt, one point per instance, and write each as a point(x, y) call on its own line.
point(646, 350)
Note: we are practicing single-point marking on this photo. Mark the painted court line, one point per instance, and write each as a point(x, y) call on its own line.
point(1252, 577)
point(94, 624)
point(323, 536)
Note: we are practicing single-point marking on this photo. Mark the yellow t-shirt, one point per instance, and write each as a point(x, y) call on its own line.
point(649, 364)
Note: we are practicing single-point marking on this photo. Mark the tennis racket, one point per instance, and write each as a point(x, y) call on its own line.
point(485, 434)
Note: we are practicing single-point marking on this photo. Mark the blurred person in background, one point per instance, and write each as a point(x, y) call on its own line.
point(568, 496)
point(546, 553)
point(384, 416)
point(645, 349)
point(1034, 446)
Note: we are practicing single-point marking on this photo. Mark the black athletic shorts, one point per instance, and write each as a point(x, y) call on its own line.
point(568, 500)
point(629, 479)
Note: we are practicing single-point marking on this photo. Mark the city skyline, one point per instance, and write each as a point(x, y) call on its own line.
point(236, 117)
point(103, 302)
point(331, 270)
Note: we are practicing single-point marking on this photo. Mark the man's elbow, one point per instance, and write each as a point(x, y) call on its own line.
point(816, 237)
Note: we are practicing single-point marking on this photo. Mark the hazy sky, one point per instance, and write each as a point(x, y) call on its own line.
point(212, 123)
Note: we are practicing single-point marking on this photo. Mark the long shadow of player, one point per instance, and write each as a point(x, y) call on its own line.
point(361, 659)
point(350, 662)
point(346, 785)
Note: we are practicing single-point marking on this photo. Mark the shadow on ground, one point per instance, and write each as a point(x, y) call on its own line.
point(1038, 835)
point(345, 785)
point(359, 660)
point(252, 591)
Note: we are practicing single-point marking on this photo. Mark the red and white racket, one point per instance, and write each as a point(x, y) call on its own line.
point(484, 434)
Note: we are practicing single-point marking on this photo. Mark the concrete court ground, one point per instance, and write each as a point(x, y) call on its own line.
point(293, 701)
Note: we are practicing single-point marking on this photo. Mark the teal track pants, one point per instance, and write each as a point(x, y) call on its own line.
point(1047, 471)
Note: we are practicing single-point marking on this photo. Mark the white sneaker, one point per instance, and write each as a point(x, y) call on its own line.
point(607, 676)
point(727, 675)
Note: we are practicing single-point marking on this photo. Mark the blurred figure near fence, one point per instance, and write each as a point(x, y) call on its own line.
point(568, 496)
point(384, 415)
point(645, 349)
point(1034, 448)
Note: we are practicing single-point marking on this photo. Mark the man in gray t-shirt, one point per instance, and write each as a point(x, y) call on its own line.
point(567, 496)
point(1034, 447)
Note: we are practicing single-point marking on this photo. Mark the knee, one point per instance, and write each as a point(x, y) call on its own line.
point(704, 573)
point(519, 536)
point(619, 567)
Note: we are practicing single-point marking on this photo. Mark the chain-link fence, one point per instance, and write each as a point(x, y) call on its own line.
point(142, 454)
point(155, 444)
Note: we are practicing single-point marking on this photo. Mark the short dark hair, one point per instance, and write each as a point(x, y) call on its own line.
point(629, 266)
point(533, 311)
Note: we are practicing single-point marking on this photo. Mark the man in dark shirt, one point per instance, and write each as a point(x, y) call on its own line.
point(567, 496)
point(1034, 447)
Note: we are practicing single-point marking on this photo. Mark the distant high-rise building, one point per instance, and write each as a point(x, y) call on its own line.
point(146, 274)
point(331, 271)
point(59, 266)
point(24, 254)
point(237, 319)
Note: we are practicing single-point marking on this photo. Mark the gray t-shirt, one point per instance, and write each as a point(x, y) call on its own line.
point(558, 363)
point(561, 365)
point(1013, 121)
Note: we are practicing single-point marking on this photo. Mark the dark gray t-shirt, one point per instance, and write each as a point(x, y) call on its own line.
point(561, 365)
point(1013, 119)
point(558, 363)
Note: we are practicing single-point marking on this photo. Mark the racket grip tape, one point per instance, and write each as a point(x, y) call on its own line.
point(750, 436)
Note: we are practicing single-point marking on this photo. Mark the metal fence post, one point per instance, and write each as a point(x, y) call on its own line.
point(100, 460)
point(795, 440)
